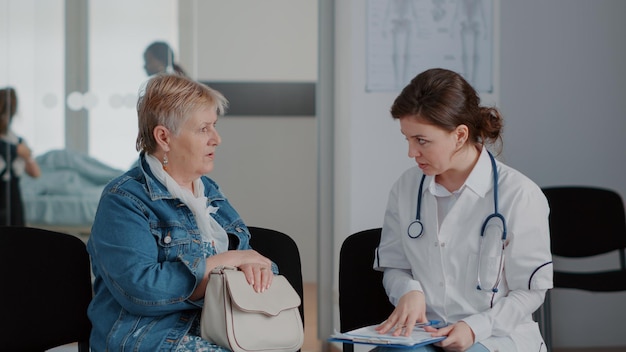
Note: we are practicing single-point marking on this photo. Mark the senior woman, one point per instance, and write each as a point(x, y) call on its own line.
point(162, 226)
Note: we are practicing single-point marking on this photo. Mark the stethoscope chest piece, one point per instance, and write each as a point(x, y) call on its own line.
point(415, 229)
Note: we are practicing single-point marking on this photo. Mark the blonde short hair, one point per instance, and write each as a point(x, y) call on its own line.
point(169, 100)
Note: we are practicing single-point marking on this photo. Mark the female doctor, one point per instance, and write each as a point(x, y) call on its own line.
point(465, 238)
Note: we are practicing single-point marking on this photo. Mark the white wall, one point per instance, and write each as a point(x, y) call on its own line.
point(563, 99)
point(563, 90)
point(266, 165)
point(247, 40)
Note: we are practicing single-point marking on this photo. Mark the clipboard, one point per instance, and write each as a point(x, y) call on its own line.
point(369, 336)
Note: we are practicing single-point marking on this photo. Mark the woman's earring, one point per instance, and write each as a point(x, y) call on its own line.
point(165, 162)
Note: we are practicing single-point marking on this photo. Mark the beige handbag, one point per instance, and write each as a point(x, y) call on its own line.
point(236, 317)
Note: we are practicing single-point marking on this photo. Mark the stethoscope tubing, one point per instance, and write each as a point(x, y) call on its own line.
point(416, 227)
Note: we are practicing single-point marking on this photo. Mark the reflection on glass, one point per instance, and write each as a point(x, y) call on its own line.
point(75, 101)
point(116, 70)
point(16, 160)
point(159, 57)
point(31, 62)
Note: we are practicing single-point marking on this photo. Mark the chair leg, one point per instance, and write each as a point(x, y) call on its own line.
point(543, 316)
point(548, 321)
point(83, 346)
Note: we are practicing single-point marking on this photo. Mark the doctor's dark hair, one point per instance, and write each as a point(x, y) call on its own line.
point(169, 100)
point(445, 99)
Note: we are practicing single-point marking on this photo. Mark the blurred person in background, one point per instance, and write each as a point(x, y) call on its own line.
point(16, 158)
point(159, 58)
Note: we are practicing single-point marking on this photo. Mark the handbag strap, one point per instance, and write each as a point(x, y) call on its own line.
point(220, 269)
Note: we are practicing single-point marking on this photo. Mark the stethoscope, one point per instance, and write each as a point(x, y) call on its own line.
point(416, 227)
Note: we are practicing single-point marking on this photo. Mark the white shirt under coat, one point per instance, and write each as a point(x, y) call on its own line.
point(443, 262)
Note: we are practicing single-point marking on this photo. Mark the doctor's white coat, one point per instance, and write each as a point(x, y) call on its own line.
point(443, 262)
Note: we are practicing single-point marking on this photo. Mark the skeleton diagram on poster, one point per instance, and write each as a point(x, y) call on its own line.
point(406, 37)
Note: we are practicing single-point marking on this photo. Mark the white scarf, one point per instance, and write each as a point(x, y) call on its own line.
point(210, 230)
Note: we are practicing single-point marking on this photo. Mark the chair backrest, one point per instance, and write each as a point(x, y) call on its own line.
point(283, 251)
point(46, 290)
point(585, 221)
point(362, 297)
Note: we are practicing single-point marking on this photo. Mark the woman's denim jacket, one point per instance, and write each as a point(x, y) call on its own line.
point(147, 258)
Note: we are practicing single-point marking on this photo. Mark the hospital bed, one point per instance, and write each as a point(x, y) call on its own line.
point(65, 197)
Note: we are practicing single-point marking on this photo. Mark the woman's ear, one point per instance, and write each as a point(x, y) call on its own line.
point(162, 137)
point(462, 134)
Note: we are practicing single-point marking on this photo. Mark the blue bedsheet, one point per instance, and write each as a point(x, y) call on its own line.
point(68, 190)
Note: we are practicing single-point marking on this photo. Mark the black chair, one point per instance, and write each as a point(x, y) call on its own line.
point(585, 222)
point(362, 297)
point(46, 290)
point(283, 251)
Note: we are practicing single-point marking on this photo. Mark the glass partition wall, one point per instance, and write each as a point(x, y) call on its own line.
point(31, 63)
point(76, 67)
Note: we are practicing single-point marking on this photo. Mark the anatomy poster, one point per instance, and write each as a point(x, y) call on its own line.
point(406, 37)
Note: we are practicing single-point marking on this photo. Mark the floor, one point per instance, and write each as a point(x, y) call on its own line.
point(311, 343)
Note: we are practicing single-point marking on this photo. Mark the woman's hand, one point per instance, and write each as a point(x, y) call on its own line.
point(256, 268)
point(32, 168)
point(411, 309)
point(460, 336)
point(259, 276)
point(23, 151)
